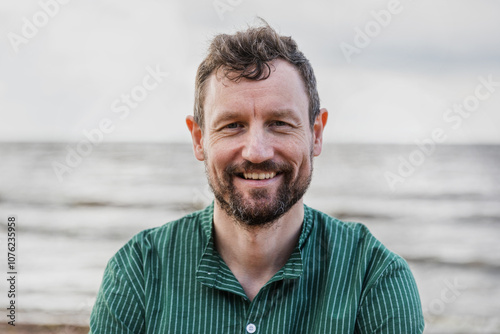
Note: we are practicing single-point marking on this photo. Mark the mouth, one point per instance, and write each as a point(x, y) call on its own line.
point(257, 176)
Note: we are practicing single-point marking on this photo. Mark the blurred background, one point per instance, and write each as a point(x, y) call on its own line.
point(93, 146)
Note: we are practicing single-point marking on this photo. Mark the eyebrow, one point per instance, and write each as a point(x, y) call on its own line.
point(226, 116)
point(285, 113)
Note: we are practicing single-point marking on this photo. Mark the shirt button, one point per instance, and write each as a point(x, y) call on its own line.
point(251, 328)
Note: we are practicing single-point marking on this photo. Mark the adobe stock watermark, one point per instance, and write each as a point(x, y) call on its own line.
point(453, 117)
point(30, 27)
point(223, 6)
point(85, 308)
point(94, 137)
point(82, 313)
point(449, 294)
point(202, 197)
point(372, 29)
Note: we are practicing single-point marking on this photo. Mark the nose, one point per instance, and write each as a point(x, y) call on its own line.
point(258, 146)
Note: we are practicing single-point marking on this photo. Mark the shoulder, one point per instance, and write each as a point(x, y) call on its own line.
point(350, 232)
point(163, 238)
point(354, 241)
point(387, 290)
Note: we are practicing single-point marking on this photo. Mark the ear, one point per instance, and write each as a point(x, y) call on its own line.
point(319, 126)
point(197, 136)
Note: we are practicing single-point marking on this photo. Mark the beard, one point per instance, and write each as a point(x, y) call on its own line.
point(262, 208)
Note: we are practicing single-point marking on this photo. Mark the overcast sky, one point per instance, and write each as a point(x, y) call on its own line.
point(388, 71)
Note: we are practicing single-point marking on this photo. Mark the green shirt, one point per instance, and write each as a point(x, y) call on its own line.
point(339, 279)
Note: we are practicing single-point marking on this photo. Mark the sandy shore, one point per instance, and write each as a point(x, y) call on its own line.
point(43, 329)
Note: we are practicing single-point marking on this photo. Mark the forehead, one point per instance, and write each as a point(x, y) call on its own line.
point(284, 89)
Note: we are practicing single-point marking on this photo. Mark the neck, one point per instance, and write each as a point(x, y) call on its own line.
point(254, 254)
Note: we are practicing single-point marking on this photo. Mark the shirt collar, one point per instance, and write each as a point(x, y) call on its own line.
point(213, 272)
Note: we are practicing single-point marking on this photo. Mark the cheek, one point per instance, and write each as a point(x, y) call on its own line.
point(303, 160)
point(219, 158)
point(306, 163)
point(298, 152)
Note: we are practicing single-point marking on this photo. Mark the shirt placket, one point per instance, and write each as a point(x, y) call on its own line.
point(257, 311)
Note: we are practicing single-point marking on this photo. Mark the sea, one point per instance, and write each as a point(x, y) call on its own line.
point(437, 206)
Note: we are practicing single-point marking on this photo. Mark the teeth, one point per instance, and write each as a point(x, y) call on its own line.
point(259, 176)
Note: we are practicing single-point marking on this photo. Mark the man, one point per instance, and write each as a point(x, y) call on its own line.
point(257, 260)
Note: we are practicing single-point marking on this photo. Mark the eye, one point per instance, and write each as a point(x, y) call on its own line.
point(232, 126)
point(279, 123)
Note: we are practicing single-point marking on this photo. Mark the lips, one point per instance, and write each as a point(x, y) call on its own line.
point(259, 173)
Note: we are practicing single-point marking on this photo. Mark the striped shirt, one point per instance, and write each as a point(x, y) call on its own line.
point(339, 279)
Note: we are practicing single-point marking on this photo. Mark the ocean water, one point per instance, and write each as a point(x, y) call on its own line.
point(443, 217)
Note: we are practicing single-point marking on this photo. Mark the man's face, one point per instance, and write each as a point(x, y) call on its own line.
point(258, 144)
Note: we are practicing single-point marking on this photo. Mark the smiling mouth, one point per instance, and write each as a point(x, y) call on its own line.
point(258, 176)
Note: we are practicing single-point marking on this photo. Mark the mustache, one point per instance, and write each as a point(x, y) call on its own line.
point(265, 166)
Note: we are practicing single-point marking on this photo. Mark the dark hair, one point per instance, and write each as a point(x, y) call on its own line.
point(247, 54)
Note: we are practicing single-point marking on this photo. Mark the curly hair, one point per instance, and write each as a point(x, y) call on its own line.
point(247, 54)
